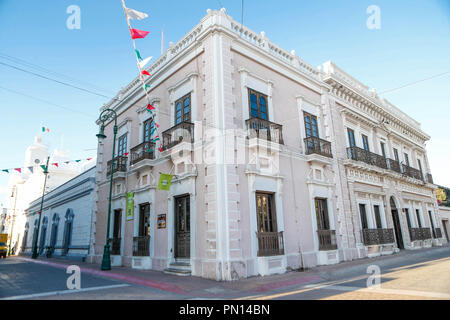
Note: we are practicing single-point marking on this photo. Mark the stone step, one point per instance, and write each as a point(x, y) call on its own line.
point(178, 272)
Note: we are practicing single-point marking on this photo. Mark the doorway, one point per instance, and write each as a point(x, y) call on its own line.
point(397, 226)
point(182, 227)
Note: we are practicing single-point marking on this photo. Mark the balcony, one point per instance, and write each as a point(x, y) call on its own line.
point(183, 132)
point(141, 246)
point(437, 234)
point(394, 165)
point(263, 129)
point(115, 246)
point(120, 165)
point(316, 145)
point(358, 154)
point(377, 236)
point(143, 151)
point(419, 234)
point(411, 172)
point(327, 240)
point(270, 244)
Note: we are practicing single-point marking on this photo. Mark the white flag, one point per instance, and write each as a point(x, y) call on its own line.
point(135, 15)
point(144, 62)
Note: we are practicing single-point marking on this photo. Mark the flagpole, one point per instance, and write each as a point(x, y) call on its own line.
point(34, 256)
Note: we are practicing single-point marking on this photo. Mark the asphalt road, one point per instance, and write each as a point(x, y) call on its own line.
point(421, 275)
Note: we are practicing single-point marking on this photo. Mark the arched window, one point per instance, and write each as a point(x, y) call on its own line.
point(54, 232)
point(43, 235)
point(68, 225)
point(25, 236)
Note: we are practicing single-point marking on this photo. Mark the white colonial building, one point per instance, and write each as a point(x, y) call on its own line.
point(278, 165)
point(27, 186)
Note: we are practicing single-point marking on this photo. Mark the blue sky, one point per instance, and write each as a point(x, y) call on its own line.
point(412, 44)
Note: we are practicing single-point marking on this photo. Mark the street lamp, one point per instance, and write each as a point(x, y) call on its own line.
point(105, 116)
point(13, 195)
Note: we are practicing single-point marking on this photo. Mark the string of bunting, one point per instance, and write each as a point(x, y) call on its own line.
point(31, 168)
point(132, 14)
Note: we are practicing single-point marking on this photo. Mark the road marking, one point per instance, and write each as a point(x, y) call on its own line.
point(437, 295)
point(54, 293)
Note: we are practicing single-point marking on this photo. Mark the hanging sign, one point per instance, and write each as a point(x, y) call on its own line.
point(165, 181)
point(130, 205)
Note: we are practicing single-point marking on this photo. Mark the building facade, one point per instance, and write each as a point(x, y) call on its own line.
point(26, 186)
point(277, 165)
point(66, 219)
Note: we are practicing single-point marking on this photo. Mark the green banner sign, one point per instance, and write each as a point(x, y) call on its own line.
point(165, 181)
point(130, 205)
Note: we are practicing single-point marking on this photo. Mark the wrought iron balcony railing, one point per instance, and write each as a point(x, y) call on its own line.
point(270, 244)
point(183, 132)
point(377, 236)
point(263, 129)
point(115, 246)
point(141, 246)
point(412, 172)
point(143, 151)
point(394, 165)
point(419, 233)
point(327, 240)
point(316, 145)
point(368, 157)
point(120, 165)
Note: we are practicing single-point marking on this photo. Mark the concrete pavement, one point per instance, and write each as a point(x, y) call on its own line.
point(421, 274)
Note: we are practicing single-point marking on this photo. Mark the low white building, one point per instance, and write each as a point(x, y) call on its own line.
point(66, 219)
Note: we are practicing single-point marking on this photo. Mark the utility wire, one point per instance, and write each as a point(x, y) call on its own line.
point(54, 80)
point(60, 75)
point(415, 82)
point(47, 102)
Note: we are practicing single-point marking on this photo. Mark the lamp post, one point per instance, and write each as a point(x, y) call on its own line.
point(34, 255)
point(106, 115)
point(13, 194)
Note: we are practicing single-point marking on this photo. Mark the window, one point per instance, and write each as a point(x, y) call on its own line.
point(144, 220)
point(351, 137)
point(183, 110)
point(420, 165)
point(117, 223)
point(265, 210)
point(376, 208)
point(362, 212)
point(365, 141)
point(68, 231)
point(383, 149)
point(408, 219)
point(322, 214)
point(406, 159)
point(148, 127)
point(258, 105)
point(122, 146)
point(396, 155)
point(419, 222)
point(311, 127)
point(430, 214)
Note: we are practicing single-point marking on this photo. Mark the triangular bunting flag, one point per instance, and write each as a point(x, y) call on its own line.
point(67, 162)
point(146, 73)
point(135, 15)
point(160, 149)
point(150, 107)
point(144, 62)
point(18, 170)
point(89, 159)
point(6, 170)
point(138, 34)
point(138, 54)
point(77, 160)
point(55, 164)
point(31, 169)
point(43, 167)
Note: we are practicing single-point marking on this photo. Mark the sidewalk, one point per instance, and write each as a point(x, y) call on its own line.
point(198, 287)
